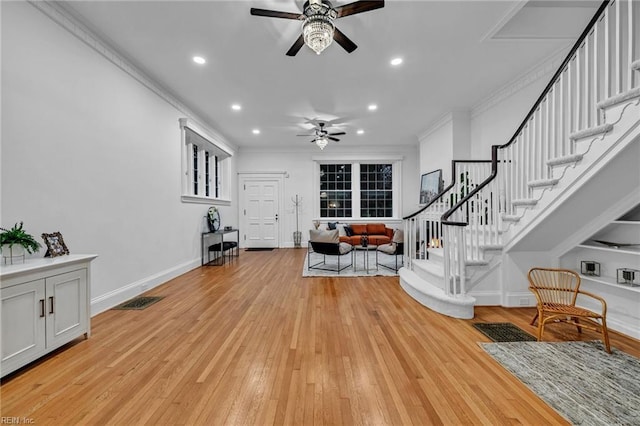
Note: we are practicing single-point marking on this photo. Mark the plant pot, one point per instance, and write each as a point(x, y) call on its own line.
point(297, 238)
point(13, 253)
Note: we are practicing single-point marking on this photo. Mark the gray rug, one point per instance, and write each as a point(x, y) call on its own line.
point(578, 379)
point(359, 271)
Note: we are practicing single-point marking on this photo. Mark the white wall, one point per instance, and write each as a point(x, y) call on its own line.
point(300, 167)
point(92, 153)
point(436, 150)
point(495, 121)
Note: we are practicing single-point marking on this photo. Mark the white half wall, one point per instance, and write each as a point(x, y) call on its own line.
point(91, 152)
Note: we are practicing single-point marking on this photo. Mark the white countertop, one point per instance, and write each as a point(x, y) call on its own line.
point(37, 264)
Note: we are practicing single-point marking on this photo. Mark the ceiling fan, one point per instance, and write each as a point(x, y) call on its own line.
point(321, 136)
point(318, 29)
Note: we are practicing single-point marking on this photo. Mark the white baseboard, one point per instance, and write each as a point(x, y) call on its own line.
point(519, 299)
point(623, 327)
point(486, 298)
point(113, 298)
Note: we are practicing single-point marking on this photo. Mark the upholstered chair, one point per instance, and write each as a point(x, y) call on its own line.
point(327, 243)
point(395, 248)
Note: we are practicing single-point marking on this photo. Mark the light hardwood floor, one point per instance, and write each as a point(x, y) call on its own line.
point(252, 342)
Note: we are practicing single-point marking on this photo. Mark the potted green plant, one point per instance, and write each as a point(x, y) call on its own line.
point(15, 241)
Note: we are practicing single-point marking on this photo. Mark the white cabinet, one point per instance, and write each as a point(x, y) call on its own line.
point(45, 304)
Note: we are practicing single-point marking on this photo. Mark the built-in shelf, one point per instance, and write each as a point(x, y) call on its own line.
point(626, 250)
point(610, 281)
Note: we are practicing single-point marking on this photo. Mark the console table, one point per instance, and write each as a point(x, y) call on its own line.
point(220, 245)
point(45, 304)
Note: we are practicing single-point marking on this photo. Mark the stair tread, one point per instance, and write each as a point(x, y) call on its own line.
point(593, 131)
point(525, 202)
point(622, 97)
point(510, 218)
point(436, 269)
point(543, 182)
point(567, 159)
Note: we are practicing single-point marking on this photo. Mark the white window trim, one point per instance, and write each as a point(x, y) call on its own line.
point(355, 162)
point(212, 146)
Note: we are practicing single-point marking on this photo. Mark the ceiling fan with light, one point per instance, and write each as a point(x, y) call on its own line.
point(318, 29)
point(321, 136)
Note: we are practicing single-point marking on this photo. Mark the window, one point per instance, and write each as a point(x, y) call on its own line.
point(376, 190)
point(335, 190)
point(359, 189)
point(206, 170)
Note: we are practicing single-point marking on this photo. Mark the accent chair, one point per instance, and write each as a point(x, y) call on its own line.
point(327, 243)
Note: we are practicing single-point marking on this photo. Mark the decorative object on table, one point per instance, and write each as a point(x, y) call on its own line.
point(316, 224)
point(213, 219)
point(589, 267)
point(297, 235)
point(55, 245)
point(228, 228)
point(616, 245)
point(628, 276)
point(15, 242)
point(364, 241)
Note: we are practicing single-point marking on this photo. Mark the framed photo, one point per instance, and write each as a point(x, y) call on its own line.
point(55, 245)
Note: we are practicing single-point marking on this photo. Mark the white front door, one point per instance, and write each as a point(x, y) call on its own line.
point(260, 212)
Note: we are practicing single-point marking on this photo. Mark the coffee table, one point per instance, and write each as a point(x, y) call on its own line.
point(365, 250)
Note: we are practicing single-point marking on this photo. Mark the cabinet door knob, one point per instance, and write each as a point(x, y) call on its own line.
point(41, 308)
point(51, 304)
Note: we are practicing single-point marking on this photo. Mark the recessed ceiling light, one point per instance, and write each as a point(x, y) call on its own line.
point(360, 132)
point(236, 107)
point(372, 107)
point(396, 61)
point(199, 60)
point(256, 131)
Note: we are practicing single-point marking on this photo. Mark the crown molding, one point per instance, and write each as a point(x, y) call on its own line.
point(63, 17)
point(435, 125)
point(546, 69)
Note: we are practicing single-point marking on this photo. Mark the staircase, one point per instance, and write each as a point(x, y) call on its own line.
point(587, 119)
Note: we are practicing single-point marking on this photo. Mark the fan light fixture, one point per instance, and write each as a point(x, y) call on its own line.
point(318, 32)
point(322, 142)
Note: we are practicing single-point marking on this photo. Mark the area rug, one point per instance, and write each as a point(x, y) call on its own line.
point(579, 380)
point(349, 271)
point(503, 332)
point(139, 303)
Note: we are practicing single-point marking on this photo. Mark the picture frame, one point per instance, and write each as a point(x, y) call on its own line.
point(55, 244)
point(431, 184)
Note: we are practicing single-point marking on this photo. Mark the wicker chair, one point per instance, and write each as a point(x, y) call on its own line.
point(557, 291)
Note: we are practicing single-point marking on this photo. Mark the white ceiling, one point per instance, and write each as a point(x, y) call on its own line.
point(456, 53)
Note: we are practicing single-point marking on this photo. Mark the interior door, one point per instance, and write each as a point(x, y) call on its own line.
point(261, 203)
